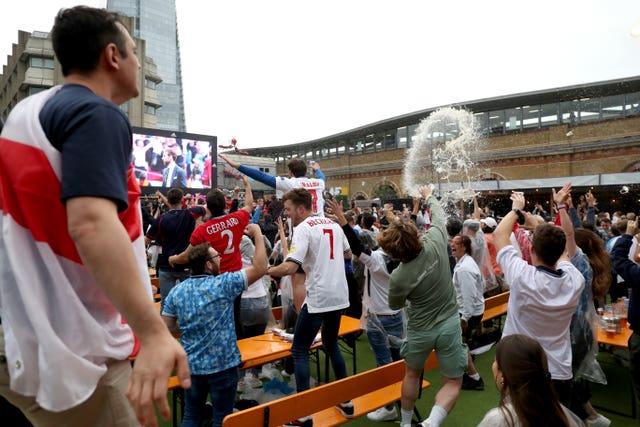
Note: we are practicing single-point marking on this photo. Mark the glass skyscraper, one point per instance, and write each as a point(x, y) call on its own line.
point(156, 23)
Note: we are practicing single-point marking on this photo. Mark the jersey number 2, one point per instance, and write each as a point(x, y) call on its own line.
point(229, 235)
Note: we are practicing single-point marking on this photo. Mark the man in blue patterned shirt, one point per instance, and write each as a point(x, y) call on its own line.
point(201, 309)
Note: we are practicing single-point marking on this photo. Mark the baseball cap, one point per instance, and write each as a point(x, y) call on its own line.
point(489, 222)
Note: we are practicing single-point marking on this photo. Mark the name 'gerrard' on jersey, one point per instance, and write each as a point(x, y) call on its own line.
point(223, 225)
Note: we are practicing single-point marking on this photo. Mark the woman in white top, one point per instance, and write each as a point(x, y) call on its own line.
point(527, 397)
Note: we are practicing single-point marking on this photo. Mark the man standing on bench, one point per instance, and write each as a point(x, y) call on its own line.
point(423, 278)
point(318, 246)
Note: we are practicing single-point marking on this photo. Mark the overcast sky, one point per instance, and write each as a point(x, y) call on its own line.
point(282, 72)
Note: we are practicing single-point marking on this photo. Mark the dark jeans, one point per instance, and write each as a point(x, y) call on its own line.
point(355, 299)
point(168, 279)
point(220, 386)
point(307, 327)
point(634, 366)
point(563, 389)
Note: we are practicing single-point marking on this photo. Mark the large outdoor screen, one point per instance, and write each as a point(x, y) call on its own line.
point(157, 154)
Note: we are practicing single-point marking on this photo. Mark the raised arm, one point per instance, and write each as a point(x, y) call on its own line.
point(256, 174)
point(259, 264)
point(248, 195)
point(591, 207)
point(352, 238)
point(503, 230)
point(256, 216)
point(437, 214)
point(161, 198)
point(283, 238)
point(626, 268)
point(319, 174)
point(476, 209)
point(573, 213)
point(560, 199)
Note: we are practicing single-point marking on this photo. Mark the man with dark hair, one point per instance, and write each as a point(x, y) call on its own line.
point(203, 304)
point(424, 280)
point(224, 233)
point(172, 174)
point(545, 294)
point(297, 179)
point(68, 271)
point(318, 246)
point(172, 231)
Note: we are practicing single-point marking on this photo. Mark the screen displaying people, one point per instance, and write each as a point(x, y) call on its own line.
point(161, 161)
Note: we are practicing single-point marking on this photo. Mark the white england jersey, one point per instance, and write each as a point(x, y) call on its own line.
point(319, 245)
point(312, 185)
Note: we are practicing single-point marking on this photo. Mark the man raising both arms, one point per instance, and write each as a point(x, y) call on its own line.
point(72, 259)
point(224, 233)
point(297, 179)
point(423, 279)
point(318, 246)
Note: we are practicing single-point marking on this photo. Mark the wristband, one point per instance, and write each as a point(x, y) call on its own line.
point(521, 218)
point(561, 206)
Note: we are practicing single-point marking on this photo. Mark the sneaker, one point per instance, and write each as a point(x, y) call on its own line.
point(599, 421)
point(425, 423)
point(304, 422)
point(383, 414)
point(346, 409)
point(469, 383)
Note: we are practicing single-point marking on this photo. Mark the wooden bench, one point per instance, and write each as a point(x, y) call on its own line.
point(156, 282)
point(495, 306)
point(368, 391)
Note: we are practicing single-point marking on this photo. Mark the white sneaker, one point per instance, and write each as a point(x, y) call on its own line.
point(426, 423)
point(383, 414)
point(599, 421)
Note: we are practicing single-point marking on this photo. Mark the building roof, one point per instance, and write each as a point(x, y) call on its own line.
point(567, 93)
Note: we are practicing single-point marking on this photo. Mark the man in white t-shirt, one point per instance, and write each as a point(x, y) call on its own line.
point(318, 246)
point(544, 295)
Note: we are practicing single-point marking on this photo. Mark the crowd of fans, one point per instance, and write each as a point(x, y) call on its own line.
point(74, 276)
point(556, 265)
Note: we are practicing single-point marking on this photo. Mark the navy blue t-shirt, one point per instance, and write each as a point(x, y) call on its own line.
point(172, 231)
point(94, 137)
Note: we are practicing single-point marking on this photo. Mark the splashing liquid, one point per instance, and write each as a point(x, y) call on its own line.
point(442, 150)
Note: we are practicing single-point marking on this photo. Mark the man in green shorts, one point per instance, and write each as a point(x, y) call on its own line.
point(424, 279)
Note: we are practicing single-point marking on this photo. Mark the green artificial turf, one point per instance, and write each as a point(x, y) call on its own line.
point(472, 405)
